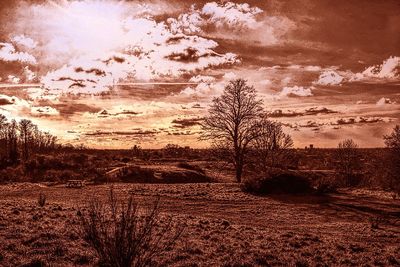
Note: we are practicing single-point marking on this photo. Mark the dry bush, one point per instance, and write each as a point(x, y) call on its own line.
point(124, 235)
point(278, 181)
point(42, 199)
point(12, 174)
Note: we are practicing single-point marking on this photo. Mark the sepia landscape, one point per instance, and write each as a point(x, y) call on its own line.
point(199, 133)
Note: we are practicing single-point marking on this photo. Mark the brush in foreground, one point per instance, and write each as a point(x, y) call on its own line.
point(124, 235)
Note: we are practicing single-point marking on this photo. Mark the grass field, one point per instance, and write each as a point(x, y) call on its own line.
point(223, 226)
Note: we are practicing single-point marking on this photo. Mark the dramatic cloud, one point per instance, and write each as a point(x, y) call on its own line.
point(157, 54)
point(384, 101)
point(329, 77)
point(201, 78)
point(229, 76)
point(334, 121)
point(24, 41)
point(13, 107)
point(186, 123)
point(296, 91)
point(307, 112)
point(203, 90)
point(9, 53)
point(232, 15)
point(388, 70)
point(90, 70)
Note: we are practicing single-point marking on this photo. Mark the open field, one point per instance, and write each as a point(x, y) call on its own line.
point(224, 226)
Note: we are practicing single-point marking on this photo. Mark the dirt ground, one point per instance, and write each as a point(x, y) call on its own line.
point(223, 226)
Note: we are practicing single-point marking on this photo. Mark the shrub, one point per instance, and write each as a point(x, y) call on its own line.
point(12, 174)
point(187, 166)
point(324, 184)
point(42, 200)
point(124, 236)
point(278, 181)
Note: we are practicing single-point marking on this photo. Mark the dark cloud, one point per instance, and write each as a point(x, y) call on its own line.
point(5, 101)
point(70, 108)
point(182, 133)
point(308, 112)
point(186, 123)
point(123, 133)
point(128, 113)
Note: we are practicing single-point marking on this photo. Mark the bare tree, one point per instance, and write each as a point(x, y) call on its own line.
point(25, 129)
point(392, 141)
point(3, 136)
point(12, 141)
point(231, 121)
point(348, 162)
point(272, 146)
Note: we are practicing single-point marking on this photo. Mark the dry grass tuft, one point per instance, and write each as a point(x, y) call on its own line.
point(42, 199)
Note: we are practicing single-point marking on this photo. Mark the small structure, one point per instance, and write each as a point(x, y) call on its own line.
point(75, 183)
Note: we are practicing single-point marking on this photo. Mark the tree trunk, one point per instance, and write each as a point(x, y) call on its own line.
point(239, 169)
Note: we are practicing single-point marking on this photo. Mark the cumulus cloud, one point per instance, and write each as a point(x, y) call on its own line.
point(13, 107)
point(329, 77)
point(155, 52)
point(187, 23)
point(29, 74)
point(296, 91)
point(13, 79)
point(384, 101)
point(203, 90)
point(232, 14)
point(312, 68)
point(202, 78)
point(24, 41)
point(265, 82)
point(388, 70)
point(229, 76)
point(9, 53)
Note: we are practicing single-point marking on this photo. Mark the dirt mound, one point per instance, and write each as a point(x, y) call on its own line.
point(184, 176)
point(137, 174)
point(188, 166)
point(279, 182)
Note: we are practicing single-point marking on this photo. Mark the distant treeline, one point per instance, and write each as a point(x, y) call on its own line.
point(21, 140)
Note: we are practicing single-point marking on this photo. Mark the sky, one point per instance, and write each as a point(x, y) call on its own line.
point(112, 74)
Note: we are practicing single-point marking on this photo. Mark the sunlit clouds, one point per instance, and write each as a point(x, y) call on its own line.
point(116, 73)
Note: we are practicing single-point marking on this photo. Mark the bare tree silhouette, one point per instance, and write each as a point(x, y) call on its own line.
point(392, 141)
point(22, 138)
point(231, 121)
point(25, 129)
point(272, 146)
point(347, 161)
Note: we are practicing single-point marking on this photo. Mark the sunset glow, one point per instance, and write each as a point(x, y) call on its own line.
point(112, 74)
